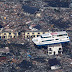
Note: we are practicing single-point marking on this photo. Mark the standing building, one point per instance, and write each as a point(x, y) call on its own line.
point(55, 49)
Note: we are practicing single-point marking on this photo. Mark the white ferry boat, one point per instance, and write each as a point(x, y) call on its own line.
point(52, 38)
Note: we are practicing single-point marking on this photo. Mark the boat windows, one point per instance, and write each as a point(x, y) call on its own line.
point(56, 39)
point(46, 40)
point(62, 35)
point(46, 37)
point(59, 35)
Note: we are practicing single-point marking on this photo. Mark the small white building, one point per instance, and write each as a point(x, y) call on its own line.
point(55, 49)
point(55, 67)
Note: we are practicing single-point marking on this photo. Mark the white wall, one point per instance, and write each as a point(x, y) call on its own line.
point(54, 48)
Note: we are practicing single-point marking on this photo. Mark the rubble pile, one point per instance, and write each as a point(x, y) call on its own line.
point(20, 54)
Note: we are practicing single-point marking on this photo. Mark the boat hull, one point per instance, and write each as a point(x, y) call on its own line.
point(51, 43)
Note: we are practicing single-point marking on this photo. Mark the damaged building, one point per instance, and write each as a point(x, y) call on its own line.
point(55, 49)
